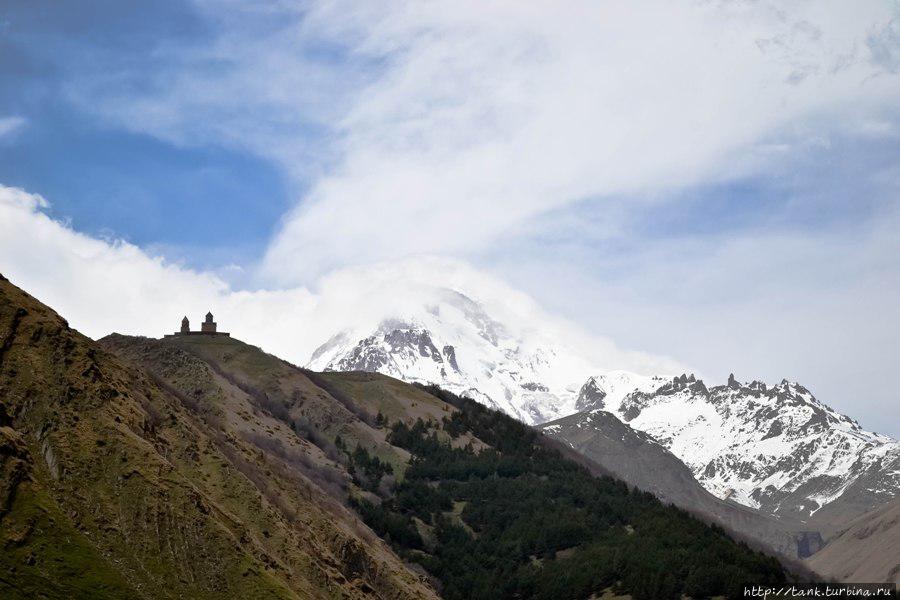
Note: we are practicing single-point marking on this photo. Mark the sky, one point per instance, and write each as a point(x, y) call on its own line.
point(711, 184)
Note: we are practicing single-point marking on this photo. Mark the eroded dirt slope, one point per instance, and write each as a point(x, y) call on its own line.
point(116, 483)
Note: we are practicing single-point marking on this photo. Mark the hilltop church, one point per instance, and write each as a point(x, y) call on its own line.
point(208, 327)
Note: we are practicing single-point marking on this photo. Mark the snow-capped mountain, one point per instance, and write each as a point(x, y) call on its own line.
point(774, 448)
point(454, 342)
point(609, 389)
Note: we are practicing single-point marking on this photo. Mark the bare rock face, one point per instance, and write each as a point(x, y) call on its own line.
point(456, 344)
point(867, 549)
point(590, 396)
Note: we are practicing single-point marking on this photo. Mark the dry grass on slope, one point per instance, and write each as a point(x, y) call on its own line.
point(116, 486)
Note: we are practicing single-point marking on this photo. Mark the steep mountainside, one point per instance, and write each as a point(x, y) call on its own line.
point(346, 415)
point(115, 484)
point(641, 461)
point(773, 448)
point(867, 550)
point(455, 343)
point(202, 467)
point(520, 519)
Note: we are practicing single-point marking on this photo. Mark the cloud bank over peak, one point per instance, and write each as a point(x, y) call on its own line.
point(105, 286)
point(489, 115)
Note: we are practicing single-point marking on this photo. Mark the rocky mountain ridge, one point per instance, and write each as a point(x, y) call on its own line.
point(455, 343)
point(774, 448)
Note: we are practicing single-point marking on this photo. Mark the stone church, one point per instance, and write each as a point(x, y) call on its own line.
point(208, 327)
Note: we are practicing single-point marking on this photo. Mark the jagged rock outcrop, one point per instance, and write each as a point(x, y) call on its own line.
point(459, 346)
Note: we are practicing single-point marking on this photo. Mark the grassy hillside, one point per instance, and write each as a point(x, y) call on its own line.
point(118, 484)
point(423, 473)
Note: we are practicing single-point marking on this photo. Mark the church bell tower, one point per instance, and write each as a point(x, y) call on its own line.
point(208, 326)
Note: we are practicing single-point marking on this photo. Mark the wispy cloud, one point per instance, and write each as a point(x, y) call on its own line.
point(488, 116)
point(10, 125)
point(428, 129)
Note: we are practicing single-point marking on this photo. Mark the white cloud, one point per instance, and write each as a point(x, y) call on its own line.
point(492, 113)
point(818, 307)
point(105, 286)
point(258, 79)
point(771, 315)
point(101, 286)
point(435, 127)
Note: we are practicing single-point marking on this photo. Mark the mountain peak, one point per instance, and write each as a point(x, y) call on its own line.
point(455, 343)
point(776, 448)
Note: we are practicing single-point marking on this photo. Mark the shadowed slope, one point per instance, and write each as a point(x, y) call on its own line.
point(640, 461)
point(867, 550)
